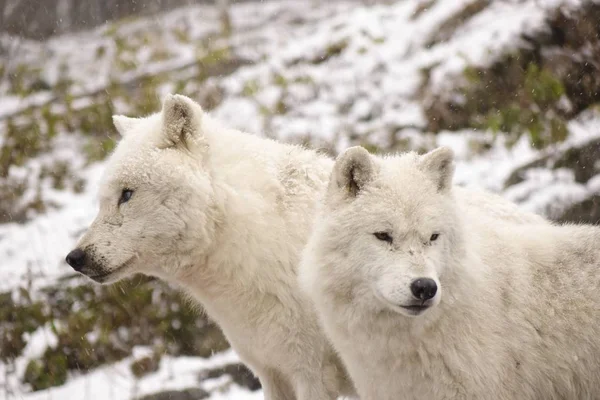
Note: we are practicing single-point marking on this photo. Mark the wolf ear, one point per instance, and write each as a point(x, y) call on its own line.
point(353, 170)
point(439, 165)
point(124, 124)
point(181, 119)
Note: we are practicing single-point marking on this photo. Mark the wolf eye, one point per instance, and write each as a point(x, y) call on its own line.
point(434, 237)
point(384, 236)
point(125, 196)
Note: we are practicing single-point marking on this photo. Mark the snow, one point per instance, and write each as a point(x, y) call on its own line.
point(381, 67)
point(33, 253)
point(39, 341)
point(367, 94)
point(116, 382)
point(547, 192)
point(593, 185)
point(488, 170)
point(550, 192)
point(488, 34)
point(381, 81)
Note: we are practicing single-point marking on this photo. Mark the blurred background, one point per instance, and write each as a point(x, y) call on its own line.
point(513, 86)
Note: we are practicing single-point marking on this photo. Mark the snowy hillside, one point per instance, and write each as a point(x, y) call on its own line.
point(512, 86)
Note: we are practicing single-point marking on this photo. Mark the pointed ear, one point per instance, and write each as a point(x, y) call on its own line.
point(439, 165)
point(124, 124)
point(181, 118)
point(353, 170)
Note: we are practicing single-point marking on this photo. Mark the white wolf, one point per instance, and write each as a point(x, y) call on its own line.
point(225, 215)
point(427, 298)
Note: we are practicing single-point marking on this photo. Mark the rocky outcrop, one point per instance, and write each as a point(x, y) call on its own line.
point(186, 394)
point(239, 374)
point(563, 184)
point(536, 89)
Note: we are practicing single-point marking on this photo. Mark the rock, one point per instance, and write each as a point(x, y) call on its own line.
point(145, 365)
point(587, 212)
point(582, 160)
point(447, 28)
point(209, 341)
point(577, 166)
point(239, 373)
point(518, 175)
point(557, 63)
point(186, 394)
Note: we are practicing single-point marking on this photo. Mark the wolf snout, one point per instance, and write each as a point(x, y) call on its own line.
point(76, 259)
point(423, 288)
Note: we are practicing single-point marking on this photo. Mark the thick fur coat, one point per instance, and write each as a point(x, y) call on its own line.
point(509, 311)
point(225, 215)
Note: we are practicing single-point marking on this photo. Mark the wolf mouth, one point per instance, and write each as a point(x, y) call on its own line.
point(416, 309)
point(411, 309)
point(101, 277)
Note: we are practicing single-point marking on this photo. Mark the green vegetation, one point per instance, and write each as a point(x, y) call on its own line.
point(520, 94)
point(506, 97)
point(31, 132)
point(528, 91)
point(333, 49)
point(181, 34)
point(251, 88)
point(96, 325)
point(24, 80)
point(531, 110)
point(371, 148)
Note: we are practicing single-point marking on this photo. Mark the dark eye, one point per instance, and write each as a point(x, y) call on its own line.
point(434, 237)
point(125, 196)
point(384, 236)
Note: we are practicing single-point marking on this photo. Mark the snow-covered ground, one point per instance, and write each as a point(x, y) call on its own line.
point(116, 381)
point(378, 71)
point(334, 73)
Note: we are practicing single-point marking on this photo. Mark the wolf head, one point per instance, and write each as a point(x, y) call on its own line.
point(156, 198)
point(387, 229)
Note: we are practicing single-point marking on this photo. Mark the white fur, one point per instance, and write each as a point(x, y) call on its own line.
point(517, 307)
point(225, 215)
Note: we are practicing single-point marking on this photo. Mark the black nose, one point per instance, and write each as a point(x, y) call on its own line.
point(423, 288)
point(76, 259)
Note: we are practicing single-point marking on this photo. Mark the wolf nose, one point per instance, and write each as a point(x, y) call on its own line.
point(76, 259)
point(423, 288)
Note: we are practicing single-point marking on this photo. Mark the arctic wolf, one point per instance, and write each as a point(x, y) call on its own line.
point(225, 215)
point(426, 298)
